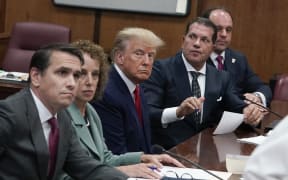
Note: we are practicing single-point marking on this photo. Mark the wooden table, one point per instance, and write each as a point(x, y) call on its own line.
point(210, 151)
point(8, 88)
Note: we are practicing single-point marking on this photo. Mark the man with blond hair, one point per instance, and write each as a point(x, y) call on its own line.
point(123, 108)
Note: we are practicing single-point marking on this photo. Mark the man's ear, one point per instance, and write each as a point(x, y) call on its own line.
point(35, 77)
point(119, 57)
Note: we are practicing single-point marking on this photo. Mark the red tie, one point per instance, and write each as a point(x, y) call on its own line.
point(219, 59)
point(53, 144)
point(137, 99)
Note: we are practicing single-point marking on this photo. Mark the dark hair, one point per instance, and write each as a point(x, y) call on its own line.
point(208, 12)
point(41, 57)
point(206, 22)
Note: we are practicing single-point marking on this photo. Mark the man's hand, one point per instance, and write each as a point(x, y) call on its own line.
point(159, 160)
point(252, 97)
point(189, 105)
point(252, 114)
point(256, 99)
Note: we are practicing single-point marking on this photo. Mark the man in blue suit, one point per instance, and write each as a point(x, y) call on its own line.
point(246, 81)
point(125, 127)
point(175, 113)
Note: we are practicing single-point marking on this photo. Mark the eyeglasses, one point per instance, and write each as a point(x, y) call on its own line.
point(173, 174)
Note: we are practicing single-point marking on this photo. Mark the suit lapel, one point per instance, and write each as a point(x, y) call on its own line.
point(121, 86)
point(182, 83)
point(146, 121)
point(37, 135)
point(230, 62)
point(212, 89)
point(209, 61)
point(81, 128)
point(127, 98)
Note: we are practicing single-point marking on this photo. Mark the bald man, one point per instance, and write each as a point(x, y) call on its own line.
point(247, 83)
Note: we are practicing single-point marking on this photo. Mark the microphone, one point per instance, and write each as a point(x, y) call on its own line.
point(157, 149)
point(260, 105)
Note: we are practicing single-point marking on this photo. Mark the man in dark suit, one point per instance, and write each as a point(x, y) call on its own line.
point(176, 112)
point(246, 81)
point(35, 146)
point(126, 127)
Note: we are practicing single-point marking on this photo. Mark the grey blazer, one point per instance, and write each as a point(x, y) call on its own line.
point(94, 141)
point(24, 151)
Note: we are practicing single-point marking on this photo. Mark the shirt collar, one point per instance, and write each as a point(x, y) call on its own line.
point(214, 55)
point(131, 86)
point(190, 68)
point(44, 113)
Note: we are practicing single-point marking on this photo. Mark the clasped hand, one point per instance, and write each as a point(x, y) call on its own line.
point(189, 105)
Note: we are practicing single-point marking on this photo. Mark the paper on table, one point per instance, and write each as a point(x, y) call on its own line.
point(229, 122)
point(226, 144)
point(253, 140)
point(236, 163)
point(187, 172)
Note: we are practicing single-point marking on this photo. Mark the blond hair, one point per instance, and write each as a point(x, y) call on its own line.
point(126, 34)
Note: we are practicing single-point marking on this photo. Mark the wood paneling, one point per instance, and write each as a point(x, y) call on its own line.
point(169, 28)
point(81, 21)
point(260, 32)
point(260, 29)
point(2, 15)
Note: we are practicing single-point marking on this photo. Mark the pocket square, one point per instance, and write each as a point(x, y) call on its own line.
point(219, 99)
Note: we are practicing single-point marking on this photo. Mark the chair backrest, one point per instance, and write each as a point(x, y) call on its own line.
point(281, 88)
point(26, 38)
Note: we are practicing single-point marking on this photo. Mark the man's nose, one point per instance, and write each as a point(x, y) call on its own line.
point(72, 81)
point(197, 42)
point(147, 59)
point(223, 32)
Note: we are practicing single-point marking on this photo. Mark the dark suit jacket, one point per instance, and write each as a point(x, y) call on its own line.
point(169, 85)
point(246, 81)
point(24, 151)
point(121, 127)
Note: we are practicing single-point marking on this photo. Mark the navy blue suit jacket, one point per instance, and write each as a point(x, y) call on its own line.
point(169, 85)
point(246, 81)
point(122, 130)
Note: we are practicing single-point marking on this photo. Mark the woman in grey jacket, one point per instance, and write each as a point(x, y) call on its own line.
point(88, 125)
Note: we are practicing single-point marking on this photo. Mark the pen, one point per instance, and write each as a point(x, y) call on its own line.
point(153, 168)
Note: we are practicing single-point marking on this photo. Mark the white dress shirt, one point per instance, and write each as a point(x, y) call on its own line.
point(44, 115)
point(131, 86)
point(269, 161)
point(169, 114)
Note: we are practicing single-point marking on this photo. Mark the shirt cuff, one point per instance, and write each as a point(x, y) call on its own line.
point(169, 116)
point(262, 97)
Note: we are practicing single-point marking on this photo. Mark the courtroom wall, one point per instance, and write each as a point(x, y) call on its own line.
point(81, 21)
point(260, 30)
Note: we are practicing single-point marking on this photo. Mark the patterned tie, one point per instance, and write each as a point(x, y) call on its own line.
point(137, 99)
point(53, 144)
point(196, 92)
point(219, 59)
